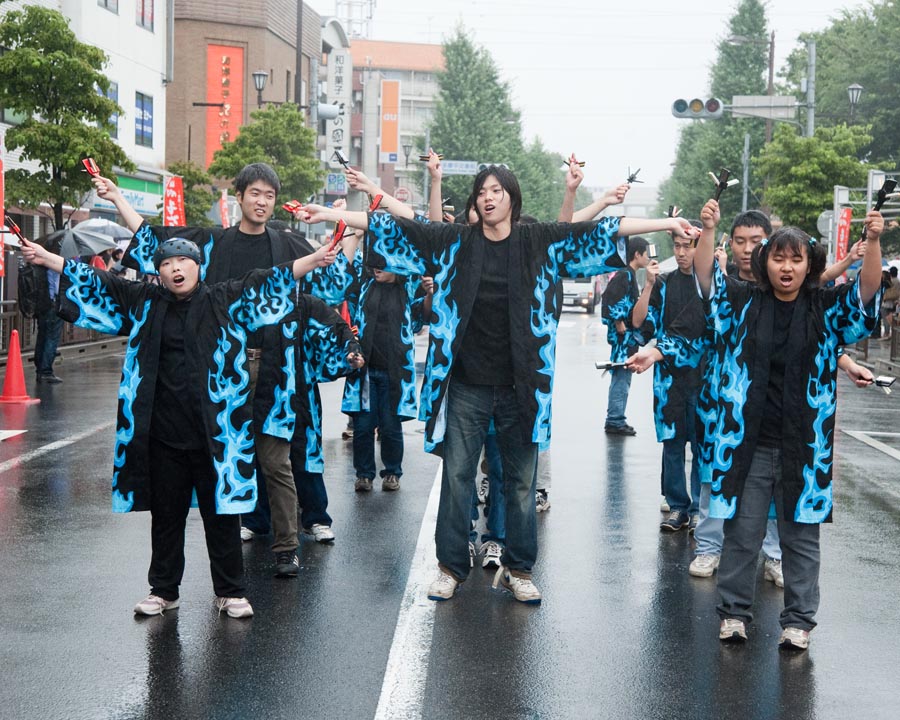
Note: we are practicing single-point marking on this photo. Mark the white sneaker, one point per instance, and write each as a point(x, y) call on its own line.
point(321, 533)
point(773, 573)
point(732, 630)
point(704, 565)
point(541, 501)
point(234, 607)
point(492, 552)
point(247, 534)
point(794, 638)
point(472, 554)
point(664, 506)
point(155, 605)
point(523, 589)
point(443, 587)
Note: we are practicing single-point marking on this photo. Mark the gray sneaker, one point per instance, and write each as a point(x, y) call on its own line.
point(523, 589)
point(390, 483)
point(363, 484)
point(704, 566)
point(794, 638)
point(732, 630)
point(155, 605)
point(773, 573)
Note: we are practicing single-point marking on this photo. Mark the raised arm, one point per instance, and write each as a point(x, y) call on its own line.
point(109, 191)
point(640, 226)
point(870, 274)
point(320, 258)
point(574, 176)
point(706, 246)
point(318, 213)
point(837, 269)
point(639, 313)
point(358, 181)
point(616, 196)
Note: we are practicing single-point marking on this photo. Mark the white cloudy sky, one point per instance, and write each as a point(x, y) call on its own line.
point(596, 77)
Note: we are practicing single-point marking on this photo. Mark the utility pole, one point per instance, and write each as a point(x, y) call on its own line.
point(745, 183)
point(811, 89)
point(426, 189)
point(770, 89)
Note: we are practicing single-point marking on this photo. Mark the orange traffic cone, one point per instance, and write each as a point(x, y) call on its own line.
point(14, 383)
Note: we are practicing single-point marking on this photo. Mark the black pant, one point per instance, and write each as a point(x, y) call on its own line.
point(173, 476)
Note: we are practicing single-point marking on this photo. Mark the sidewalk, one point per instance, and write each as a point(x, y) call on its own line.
point(880, 355)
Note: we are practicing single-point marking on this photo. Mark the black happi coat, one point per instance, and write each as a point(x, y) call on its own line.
point(219, 320)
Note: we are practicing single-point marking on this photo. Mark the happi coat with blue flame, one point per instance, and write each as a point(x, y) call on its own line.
point(219, 320)
point(539, 254)
point(277, 400)
point(619, 299)
point(674, 302)
point(402, 302)
point(742, 318)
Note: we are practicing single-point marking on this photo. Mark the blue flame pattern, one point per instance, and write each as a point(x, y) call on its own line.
point(142, 249)
point(128, 390)
point(620, 310)
point(281, 418)
point(98, 310)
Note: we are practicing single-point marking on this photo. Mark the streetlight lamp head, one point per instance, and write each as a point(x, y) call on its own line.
point(854, 91)
point(260, 77)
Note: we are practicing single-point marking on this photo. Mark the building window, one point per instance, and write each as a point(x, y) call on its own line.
point(111, 5)
point(143, 120)
point(113, 94)
point(144, 14)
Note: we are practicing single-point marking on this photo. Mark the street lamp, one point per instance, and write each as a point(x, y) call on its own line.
point(770, 89)
point(260, 77)
point(407, 149)
point(853, 92)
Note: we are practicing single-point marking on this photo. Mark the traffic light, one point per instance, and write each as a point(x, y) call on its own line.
point(698, 109)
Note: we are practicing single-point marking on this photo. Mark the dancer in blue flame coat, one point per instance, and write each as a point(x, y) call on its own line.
point(184, 418)
point(776, 405)
point(495, 312)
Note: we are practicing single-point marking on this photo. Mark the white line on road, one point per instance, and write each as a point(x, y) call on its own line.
point(7, 434)
point(869, 439)
point(407, 667)
point(50, 447)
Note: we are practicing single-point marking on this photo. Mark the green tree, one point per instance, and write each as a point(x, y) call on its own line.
point(857, 48)
point(803, 171)
point(708, 145)
point(279, 136)
point(474, 118)
point(56, 83)
point(199, 193)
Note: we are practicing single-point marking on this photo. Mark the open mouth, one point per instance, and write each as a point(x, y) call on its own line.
point(177, 280)
point(786, 281)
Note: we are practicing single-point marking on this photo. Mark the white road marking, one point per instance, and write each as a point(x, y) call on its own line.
point(7, 434)
point(403, 689)
point(869, 439)
point(50, 447)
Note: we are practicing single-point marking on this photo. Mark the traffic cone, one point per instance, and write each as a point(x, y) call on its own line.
point(14, 383)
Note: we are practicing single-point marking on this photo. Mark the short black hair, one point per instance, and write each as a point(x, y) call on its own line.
point(752, 218)
point(253, 172)
point(636, 245)
point(794, 239)
point(508, 182)
point(893, 271)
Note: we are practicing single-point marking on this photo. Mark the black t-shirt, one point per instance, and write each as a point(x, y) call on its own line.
point(389, 300)
point(176, 420)
point(485, 356)
point(770, 432)
point(250, 252)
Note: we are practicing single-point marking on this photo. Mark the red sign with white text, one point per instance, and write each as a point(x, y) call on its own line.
point(224, 84)
point(173, 203)
point(223, 208)
point(842, 242)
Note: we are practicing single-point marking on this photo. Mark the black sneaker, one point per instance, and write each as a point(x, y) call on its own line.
point(675, 520)
point(51, 379)
point(287, 565)
point(620, 430)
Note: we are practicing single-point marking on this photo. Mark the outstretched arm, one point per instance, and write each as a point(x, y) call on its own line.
point(358, 181)
point(320, 258)
point(870, 274)
point(616, 196)
point(837, 269)
point(318, 213)
point(109, 191)
point(639, 226)
point(37, 255)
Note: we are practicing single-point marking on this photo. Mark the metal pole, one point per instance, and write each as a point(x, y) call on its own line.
point(771, 86)
point(811, 90)
point(425, 176)
point(746, 180)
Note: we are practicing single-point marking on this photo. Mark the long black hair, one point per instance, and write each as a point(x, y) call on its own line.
point(792, 239)
point(510, 186)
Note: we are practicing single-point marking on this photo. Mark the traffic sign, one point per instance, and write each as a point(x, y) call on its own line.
point(459, 167)
point(403, 194)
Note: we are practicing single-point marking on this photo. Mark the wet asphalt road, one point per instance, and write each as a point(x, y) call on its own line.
point(623, 631)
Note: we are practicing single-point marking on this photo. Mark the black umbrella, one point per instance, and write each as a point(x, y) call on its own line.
point(77, 242)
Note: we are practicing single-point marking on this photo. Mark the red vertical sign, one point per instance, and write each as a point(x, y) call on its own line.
point(2, 223)
point(842, 242)
point(223, 209)
point(173, 203)
point(225, 85)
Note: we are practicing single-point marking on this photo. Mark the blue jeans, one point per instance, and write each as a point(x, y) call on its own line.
point(710, 531)
point(390, 430)
point(744, 537)
point(618, 397)
point(49, 329)
point(469, 412)
point(312, 497)
point(495, 507)
point(673, 459)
